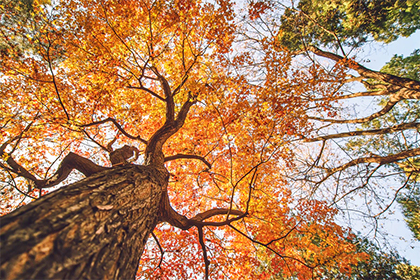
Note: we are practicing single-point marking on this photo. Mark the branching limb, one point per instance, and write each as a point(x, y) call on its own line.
point(183, 112)
point(395, 128)
point(395, 196)
point(153, 152)
point(70, 162)
point(119, 127)
point(392, 158)
point(168, 214)
point(185, 156)
point(267, 246)
point(365, 72)
point(169, 99)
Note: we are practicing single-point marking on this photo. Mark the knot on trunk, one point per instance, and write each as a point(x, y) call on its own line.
point(124, 155)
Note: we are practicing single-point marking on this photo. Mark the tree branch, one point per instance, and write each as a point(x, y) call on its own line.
point(365, 72)
point(119, 127)
point(203, 247)
point(94, 141)
point(141, 87)
point(377, 159)
point(71, 161)
point(395, 196)
point(215, 212)
point(354, 95)
point(169, 215)
point(185, 156)
point(55, 82)
point(169, 99)
point(153, 152)
point(160, 249)
point(267, 246)
point(395, 128)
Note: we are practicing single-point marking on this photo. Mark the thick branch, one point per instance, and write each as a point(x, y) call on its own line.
point(215, 212)
point(168, 214)
point(377, 159)
point(395, 128)
point(365, 72)
point(183, 112)
point(184, 156)
point(153, 152)
point(70, 162)
point(170, 104)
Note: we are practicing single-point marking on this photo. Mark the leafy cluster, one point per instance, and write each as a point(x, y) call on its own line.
point(349, 22)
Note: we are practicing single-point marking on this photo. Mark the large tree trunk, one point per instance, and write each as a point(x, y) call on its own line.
point(92, 229)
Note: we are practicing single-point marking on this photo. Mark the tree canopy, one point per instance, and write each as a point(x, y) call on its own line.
point(380, 142)
point(228, 106)
point(347, 22)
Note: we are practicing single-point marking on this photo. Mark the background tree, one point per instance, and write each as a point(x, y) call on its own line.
point(381, 264)
point(178, 131)
point(347, 22)
point(360, 152)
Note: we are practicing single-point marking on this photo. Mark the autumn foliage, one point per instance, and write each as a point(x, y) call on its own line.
point(91, 76)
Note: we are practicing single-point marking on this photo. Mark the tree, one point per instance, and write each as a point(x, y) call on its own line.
point(381, 264)
point(183, 134)
point(346, 22)
point(355, 154)
point(410, 202)
point(408, 198)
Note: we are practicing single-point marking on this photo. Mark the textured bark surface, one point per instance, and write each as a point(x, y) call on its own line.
point(93, 229)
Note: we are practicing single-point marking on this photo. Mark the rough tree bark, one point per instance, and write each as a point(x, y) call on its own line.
point(93, 229)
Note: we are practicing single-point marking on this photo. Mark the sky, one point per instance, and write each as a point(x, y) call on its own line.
point(379, 54)
point(398, 233)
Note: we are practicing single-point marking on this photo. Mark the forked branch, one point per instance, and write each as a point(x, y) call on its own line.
point(119, 127)
point(70, 162)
